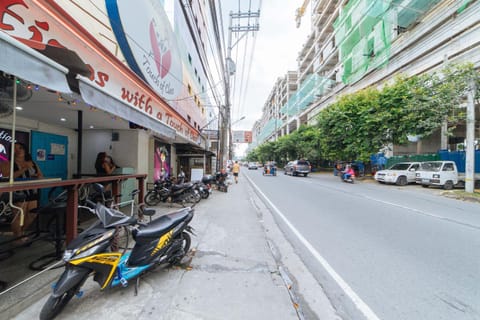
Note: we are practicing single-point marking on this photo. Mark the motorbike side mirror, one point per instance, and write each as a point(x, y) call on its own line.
point(98, 187)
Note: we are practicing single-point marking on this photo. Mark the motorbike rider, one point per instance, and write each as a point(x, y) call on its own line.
point(348, 173)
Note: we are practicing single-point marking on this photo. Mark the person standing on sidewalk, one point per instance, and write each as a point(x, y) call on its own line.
point(236, 170)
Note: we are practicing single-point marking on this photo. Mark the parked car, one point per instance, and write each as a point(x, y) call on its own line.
point(252, 166)
point(297, 167)
point(401, 173)
point(442, 174)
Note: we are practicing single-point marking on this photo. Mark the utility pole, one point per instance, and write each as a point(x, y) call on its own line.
point(226, 141)
point(470, 141)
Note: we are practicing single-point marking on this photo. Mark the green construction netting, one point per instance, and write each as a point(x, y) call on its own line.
point(364, 30)
point(412, 158)
point(310, 89)
point(464, 5)
point(268, 129)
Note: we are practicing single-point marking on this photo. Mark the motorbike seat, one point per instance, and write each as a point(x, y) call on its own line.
point(177, 187)
point(164, 223)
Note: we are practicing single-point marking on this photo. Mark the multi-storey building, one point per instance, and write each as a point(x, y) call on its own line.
point(270, 126)
point(361, 43)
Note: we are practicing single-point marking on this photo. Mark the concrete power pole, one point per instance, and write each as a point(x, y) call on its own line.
point(226, 143)
point(470, 141)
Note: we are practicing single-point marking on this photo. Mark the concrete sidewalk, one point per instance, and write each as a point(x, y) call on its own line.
point(242, 268)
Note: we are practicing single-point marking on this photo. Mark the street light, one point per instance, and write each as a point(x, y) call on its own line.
point(237, 121)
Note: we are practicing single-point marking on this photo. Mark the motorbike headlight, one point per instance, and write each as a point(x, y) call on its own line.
point(85, 253)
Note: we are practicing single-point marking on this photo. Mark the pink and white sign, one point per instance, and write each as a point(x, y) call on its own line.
point(148, 43)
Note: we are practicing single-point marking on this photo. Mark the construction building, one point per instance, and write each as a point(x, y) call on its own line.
point(361, 43)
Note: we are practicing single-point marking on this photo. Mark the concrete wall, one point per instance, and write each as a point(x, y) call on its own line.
point(131, 150)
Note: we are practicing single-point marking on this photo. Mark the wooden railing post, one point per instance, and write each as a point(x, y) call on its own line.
point(71, 220)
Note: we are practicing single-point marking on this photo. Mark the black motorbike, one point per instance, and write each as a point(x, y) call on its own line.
point(203, 189)
point(166, 191)
point(164, 241)
point(219, 180)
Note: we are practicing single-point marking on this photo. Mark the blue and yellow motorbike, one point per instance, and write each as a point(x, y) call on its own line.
point(164, 241)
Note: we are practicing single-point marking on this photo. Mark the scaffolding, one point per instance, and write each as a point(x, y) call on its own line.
point(364, 31)
point(311, 88)
point(270, 127)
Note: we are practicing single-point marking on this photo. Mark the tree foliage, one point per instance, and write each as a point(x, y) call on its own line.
point(360, 124)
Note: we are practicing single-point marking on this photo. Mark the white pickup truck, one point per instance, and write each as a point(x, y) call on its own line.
point(441, 173)
point(401, 173)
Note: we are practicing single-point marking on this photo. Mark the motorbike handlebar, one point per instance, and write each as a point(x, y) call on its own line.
point(90, 206)
point(87, 208)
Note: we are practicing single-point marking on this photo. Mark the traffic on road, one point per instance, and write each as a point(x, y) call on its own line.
point(387, 252)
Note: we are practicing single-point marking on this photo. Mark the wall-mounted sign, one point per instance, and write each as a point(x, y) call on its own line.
point(56, 148)
point(242, 136)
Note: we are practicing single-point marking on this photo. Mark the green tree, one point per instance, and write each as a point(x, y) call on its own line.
point(360, 124)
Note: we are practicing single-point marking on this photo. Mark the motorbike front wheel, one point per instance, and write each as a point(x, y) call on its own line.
point(205, 194)
point(152, 198)
point(55, 305)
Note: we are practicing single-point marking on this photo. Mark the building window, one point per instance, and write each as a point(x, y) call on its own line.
point(189, 118)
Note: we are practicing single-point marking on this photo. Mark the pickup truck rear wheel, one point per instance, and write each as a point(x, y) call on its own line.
point(448, 185)
point(402, 181)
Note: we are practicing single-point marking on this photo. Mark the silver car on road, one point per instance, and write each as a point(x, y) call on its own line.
point(298, 167)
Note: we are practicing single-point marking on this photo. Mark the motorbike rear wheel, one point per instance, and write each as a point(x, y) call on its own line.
point(55, 305)
point(178, 256)
point(152, 198)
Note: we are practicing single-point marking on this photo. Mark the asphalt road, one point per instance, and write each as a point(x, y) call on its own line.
point(383, 252)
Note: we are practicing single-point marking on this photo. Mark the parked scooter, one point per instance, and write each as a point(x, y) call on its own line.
point(164, 241)
point(166, 191)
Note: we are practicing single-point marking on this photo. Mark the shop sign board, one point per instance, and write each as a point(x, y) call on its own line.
point(33, 22)
point(242, 136)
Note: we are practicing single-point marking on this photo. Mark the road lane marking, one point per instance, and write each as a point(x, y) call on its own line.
point(356, 300)
point(421, 212)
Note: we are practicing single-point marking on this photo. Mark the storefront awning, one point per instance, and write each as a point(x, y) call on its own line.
point(102, 100)
point(26, 63)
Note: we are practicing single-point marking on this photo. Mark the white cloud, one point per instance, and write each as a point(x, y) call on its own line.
point(277, 46)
